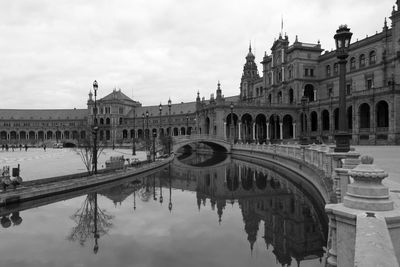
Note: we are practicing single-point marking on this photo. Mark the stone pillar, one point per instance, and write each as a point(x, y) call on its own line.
point(240, 131)
point(267, 130)
point(294, 130)
point(351, 233)
point(281, 130)
point(225, 130)
point(315, 94)
point(254, 131)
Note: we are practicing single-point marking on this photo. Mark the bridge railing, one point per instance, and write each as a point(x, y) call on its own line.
point(200, 137)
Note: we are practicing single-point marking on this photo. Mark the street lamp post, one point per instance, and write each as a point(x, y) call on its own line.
point(231, 134)
point(160, 109)
point(133, 136)
point(303, 137)
point(187, 123)
point(169, 126)
point(147, 133)
point(154, 145)
point(342, 40)
point(95, 127)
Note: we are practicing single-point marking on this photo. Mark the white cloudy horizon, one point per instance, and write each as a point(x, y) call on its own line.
point(52, 51)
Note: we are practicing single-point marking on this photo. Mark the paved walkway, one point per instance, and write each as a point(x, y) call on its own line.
point(386, 158)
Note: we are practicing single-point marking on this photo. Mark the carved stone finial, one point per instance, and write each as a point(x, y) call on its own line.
point(367, 159)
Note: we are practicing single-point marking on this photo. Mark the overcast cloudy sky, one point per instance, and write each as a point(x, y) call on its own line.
point(52, 50)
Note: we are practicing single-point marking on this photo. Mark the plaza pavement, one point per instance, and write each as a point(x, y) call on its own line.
point(37, 163)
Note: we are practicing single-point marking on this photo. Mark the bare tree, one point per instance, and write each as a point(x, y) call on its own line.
point(91, 222)
point(85, 151)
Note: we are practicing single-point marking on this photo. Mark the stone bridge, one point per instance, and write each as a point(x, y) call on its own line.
point(215, 142)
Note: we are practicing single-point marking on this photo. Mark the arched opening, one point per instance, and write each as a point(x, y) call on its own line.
point(364, 115)
point(274, 127)
point(232, 180)
point(75, 135)
point(183, 131)
point(207, 125)
point(140, 133)
point(309, 92)
point(3, 135)
point(49, 135)
point(108, 121)
point(31, 135)
point(291, 96)
point(41, 135)
point(247, 127)
point(58, 135)
point(303, 123)
point(176, 131)
point(350, 117)
point(325, 120)
point(287, 127)
point(229, 128)
point(247, 179)
point(83, 134)
point(124, 134)
point(336, 118)
point(101, 121)
point(382, 114)
point(261, 128)
point(132, 133)
point(314, 121)
point(261, 180)
point(22, 135)
point(189, 131)
point(108, 135)
point(66, 135)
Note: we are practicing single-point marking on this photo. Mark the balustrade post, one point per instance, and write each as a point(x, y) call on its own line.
point(332, 241)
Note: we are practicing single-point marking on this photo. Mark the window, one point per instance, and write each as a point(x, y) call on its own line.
point(306, 73)
point(335, 69)
point(372, 57)
point(290, 74)
point(362, 60)
point(328, 71)
point(348, 89)
point(312, 72)
point(121, 110)
point(330, 91)
point(370, 84)
point(352, 63)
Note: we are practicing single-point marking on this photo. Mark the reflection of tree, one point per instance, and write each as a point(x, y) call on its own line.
point(91, 221)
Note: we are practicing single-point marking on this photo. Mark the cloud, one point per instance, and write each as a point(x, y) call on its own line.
point(55, 49)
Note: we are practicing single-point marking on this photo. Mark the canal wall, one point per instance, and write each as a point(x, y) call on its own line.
point(364, 224)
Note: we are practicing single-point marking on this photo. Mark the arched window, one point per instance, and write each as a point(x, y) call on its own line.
point(382, 114)
point(314, 121)
point(291, 97)
point(335, 69)
point(309, 92)
point(108, 121)
point(352, 63)
point(280, 97)
point(325, 120)
point(372, 57)
point(364, 115)
point(101, 121)
point(328, 71)
point(362, 60)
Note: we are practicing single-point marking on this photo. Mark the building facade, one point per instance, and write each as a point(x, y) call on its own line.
point(269, 105)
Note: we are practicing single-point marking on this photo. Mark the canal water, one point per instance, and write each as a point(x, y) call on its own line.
point(202, 210)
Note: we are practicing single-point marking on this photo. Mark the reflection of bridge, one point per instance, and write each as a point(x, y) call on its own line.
point(215, 142)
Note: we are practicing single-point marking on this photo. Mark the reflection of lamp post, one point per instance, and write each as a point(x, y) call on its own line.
point(133, 132)
point(169, 126)
point(95, 232)
point(170, 190)
point(303, 138)
point(161, 197)
point(95, 128)
point(231, 135)
point(342, 40)
point(154, 188)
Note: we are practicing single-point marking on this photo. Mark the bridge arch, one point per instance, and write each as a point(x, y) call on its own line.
point(216, 143)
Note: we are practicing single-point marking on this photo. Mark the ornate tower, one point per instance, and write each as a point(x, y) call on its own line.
point(249, 75)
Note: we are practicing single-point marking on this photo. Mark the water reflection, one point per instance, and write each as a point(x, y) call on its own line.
point(281, 213)
point(91, 222)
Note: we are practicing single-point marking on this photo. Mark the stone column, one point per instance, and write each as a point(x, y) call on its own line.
point(254, 131)
point(281, 130)
point(225, 130)
point(294, 130)
point(240, 131)
point(267, 130)
point(315, 94)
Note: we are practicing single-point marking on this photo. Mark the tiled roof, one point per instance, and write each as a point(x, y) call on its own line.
point(116, 95)
point(43, 114)
point(176, 109)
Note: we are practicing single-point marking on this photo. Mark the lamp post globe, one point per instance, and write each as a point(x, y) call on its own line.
point(342, 41)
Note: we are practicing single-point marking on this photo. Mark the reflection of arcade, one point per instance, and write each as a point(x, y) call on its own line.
point(91, 222)
point(293, 223)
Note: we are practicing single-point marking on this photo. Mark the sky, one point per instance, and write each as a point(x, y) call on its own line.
point(51, 51)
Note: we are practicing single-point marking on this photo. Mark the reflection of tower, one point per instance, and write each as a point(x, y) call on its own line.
point(251, 221)
point(220, 206)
